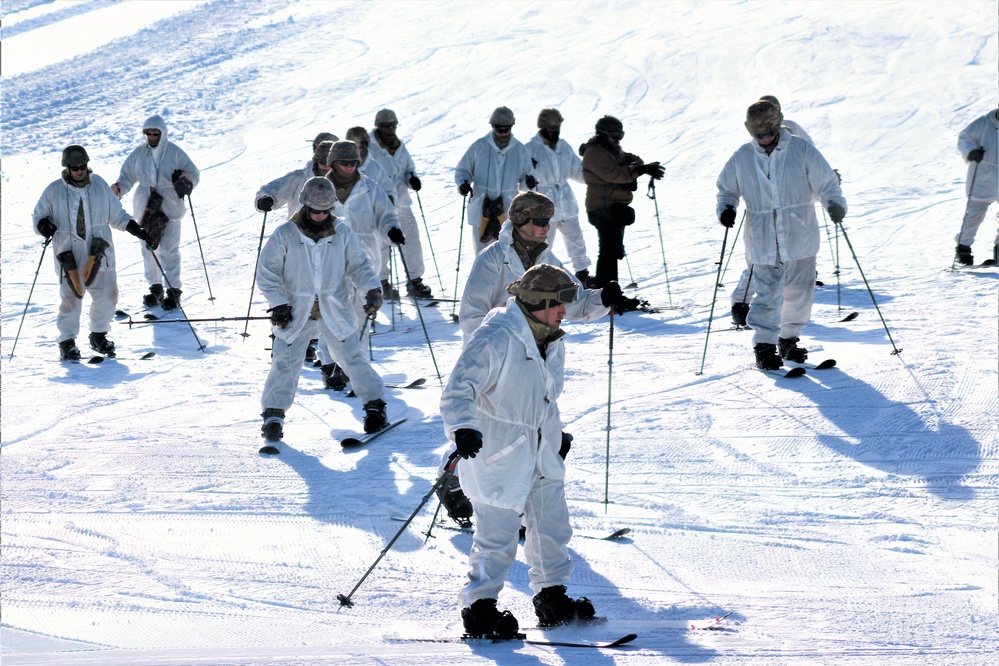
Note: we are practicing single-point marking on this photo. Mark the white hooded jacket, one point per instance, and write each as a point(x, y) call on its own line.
point(984, 133)
point(153, 168)
point(495, 268)
point(286, 189)
point(553, 169)
point(296, 270)
point(780, 191)
point(60, 202)
point(399, 168)
point(503, 388)
point(370, 214)
point(492, 171)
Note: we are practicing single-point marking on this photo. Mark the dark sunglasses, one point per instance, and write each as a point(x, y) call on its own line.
point(77, 167)
point(768, 133)
point(389, 125)
point(151, 132)
point(348, 163)
point(502, 129)
point(540, 221)
point(313, 211)
point(616, 134)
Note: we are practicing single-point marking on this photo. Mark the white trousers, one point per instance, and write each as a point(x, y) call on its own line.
point(572, 236)
point(412, 249)
point(973, 219)
point(494, 544)
point(286, 367)
point(103, 301)
point(168, 252)
point(783, 302)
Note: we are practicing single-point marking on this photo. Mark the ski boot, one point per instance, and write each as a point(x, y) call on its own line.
point(389, 293)
point(417, 289)
point(310, 351)
point(154, 297)
point(739, 313)
point(68, 351)
point(273, 428)
point(790, 350)
point(584, 278)
point(334, 377)
point(963, 255)
point(555, 607)
point(100, 343)
point(172, 299)
point(766, 356)
point(483, 620)
point(455, 502)
point(374, 416)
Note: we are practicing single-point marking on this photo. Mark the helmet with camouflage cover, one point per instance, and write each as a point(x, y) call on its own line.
point(763, 116)
point(543, 284)
point(74, 155)
point(530, 205)
point(502, 116)
point(549, 118)
point(318, 194)
point(344, 151)
point(321, 151)
point(323, 136)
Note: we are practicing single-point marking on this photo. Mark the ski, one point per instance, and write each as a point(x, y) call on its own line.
point(786, 374)
point(623, 640)
point(588, 534)
point(270, 448)
point(824, 365)
point(850, 317)
point(361, 440)
point(709, 624)
point(416, 383)
point(402, 330)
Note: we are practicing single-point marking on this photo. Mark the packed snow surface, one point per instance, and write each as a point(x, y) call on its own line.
point(848, 516)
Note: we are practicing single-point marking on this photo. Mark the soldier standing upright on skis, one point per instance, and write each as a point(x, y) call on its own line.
point(500, 408)
point(77, 212)
point(165, 175)
point(979, 144)
point(780, 176)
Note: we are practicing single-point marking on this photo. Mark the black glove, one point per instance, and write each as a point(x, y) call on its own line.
point(468, 442)
point(372, 301)
point(265, 204)
point(181, 184)
point(839, 178)
point(566, 445)
point(727, 217)
point(610, 294)
point(653, 169)
point(281, 315)
point(625, 304)
point(133, 228)
point(395, 235)
point(530, 181)
point(46, 227)
point(415, 183)
point(464, 189)
point(836, 212)
point(976, 155)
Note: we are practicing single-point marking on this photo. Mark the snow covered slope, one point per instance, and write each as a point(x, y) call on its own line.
point(846, 517)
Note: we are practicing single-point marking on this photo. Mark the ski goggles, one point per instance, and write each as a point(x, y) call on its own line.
point(536, 300)
point(764, 135)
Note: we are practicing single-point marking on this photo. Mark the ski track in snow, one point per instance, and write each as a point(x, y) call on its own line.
point(845, 517)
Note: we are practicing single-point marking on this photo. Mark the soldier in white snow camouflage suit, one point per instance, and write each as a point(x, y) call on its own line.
point(979, 144)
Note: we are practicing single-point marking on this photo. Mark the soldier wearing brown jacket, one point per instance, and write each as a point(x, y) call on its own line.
point(611, 175)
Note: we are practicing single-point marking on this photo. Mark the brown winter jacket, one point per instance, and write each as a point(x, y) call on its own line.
point(610, 177)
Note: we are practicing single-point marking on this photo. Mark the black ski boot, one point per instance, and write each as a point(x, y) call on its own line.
point(172, 300)
point(766, 356)
point(790, 350)
point(374, 416)
point(416, 288)
point(154, 297)
point(310, 351)
point(455, 502)
point(100, 343)
point(963, 255)
point(334, 377)
point(68, 351)
point(555, 607)
point(483, 620)
point(389, 293)
point(739, 313)
point(584, 278)
point(273, 428)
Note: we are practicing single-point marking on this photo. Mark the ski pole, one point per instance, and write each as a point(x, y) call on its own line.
point(179, 306)
point(632, 284)
point(662, 248)
point(457, 267)
point(714, 298)
point(45, 246)
point(344, 599)
point(833, 255)
point(419, 311)
point(198, 236)
point(610, 378)
point(253, 284)
point(735, 241)
point(430, 244)
point(896, 351)
point(967, 204)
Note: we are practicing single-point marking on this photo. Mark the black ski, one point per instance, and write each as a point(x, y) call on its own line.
point(824, 365)
point(850, 317)
point(588, 534)
point(361, 440)
point(528, 641)
point(271, 448)
point(788, 374)
point(416, 383)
